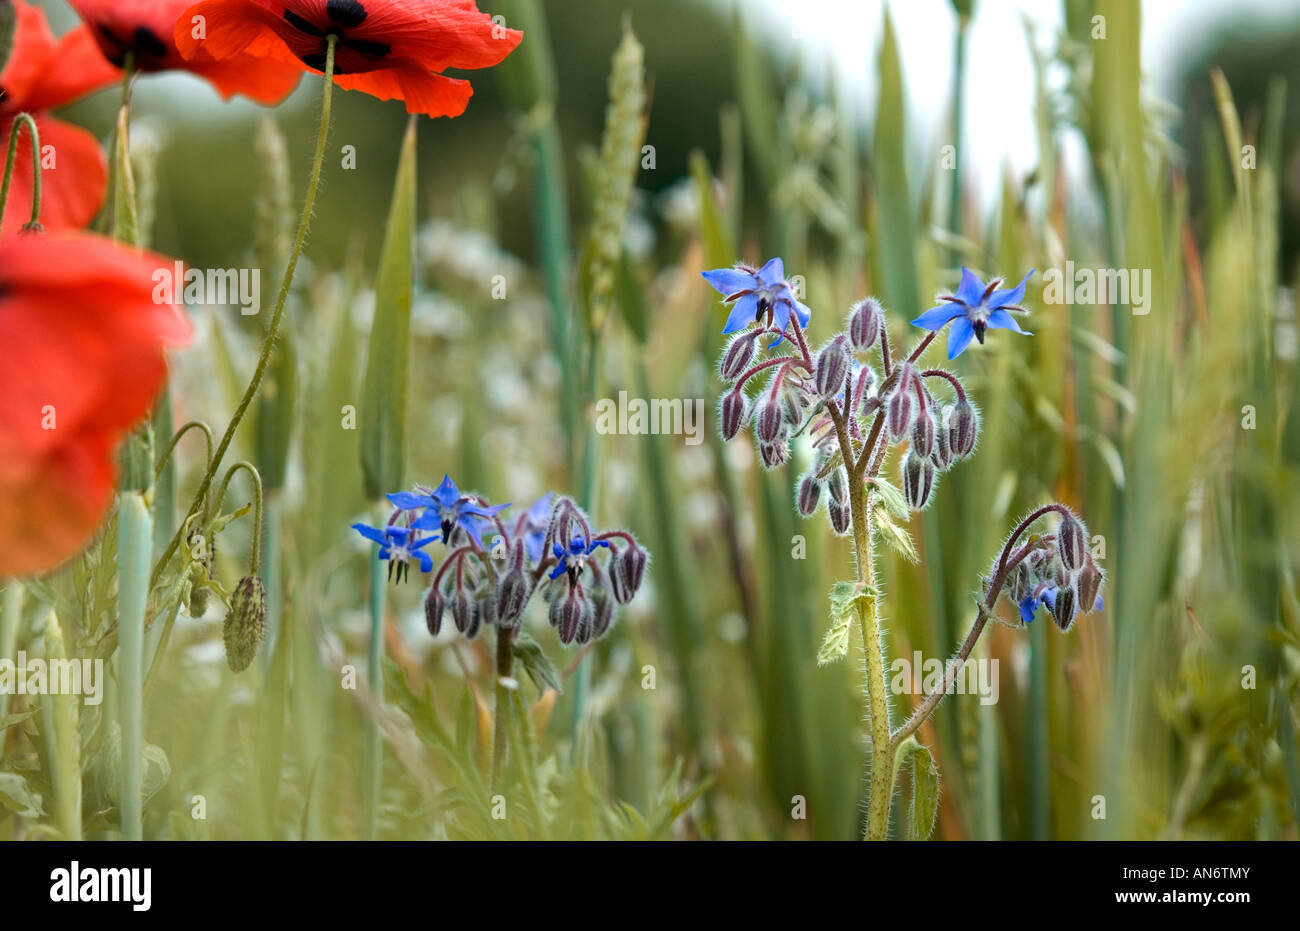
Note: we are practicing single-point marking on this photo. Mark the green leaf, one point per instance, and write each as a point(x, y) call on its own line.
point(536, 664)
point(924, 809)
point(897, 537)
point(384, 392)
point(16, 796)
point(847, 598)
point(889, 496)
point(890, 186)
point(126, 224)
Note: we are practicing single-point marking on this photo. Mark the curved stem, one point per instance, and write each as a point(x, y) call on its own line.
point(176, 438)
point(21, 120)
point(304, 222)
point(256, 476)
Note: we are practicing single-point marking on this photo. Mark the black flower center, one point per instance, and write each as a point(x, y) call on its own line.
point(346, 14)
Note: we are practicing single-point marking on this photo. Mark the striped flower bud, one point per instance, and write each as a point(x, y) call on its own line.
point(963, 428)
point(841, 516)
point(1072, 543)
point(740, 352)
point(731, 414)
point(838, 484)
point(1089, 586)
point(626, 570)
point(435, 606)
point(245, 622)
point(831, 368)
point(768, 420)
point(923, 430)
point(792, 404)
point(863, 383)
point(808, 495)
point(511, 598)
point(1063, 607)
point(865, 322)
point(941, 454)
point(918, 480)
point(899, 411)
point(773, 455)
point(602, 613)
point(574, 610)
point(465, 614)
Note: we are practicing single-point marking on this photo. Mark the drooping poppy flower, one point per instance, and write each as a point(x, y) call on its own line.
point(81, 362)
point(145, 28)
point(390, 49)
point(44, 73)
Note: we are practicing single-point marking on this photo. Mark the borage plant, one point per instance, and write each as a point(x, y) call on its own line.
point(494, 566)
point(853, 416)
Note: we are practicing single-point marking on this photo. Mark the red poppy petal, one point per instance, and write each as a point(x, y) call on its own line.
point(265, 80)
point(32, 44)
point(439, 35)
point(76, 67)
point(227, 28)
point(431, 94)
point(74, 178)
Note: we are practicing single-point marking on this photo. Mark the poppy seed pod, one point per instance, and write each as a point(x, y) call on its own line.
point(832, 368)
point(865, 321)
point(1072, 542)
point(1089, 585)
point(732, 414)
point(808, 495)
point(739, 353)
point(435, 606)
point(963, 428)
point(773, 455)
point(918, 480)
point(768, 420)
point(1063, 607)
point(841, 517)
point(627, 569)
point(245, 622)
point(923, 430)
point(511, 598)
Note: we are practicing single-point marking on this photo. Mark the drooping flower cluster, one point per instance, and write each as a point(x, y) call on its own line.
point(1056, 571)
point(495, 564)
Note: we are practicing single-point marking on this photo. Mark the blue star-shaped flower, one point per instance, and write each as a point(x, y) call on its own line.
point(753, 293)
point(533, 526)
point(445, 509)
point(572, 559)
point(399, 545)
point(975, 307)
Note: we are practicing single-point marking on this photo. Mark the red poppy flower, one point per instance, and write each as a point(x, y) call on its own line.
point(43, 73)
point(145, 28)
point(81, 338)
point(390, 49)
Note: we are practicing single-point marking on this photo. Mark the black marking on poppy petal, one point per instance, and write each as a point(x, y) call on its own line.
point(346, 12)
point(147, 43)
point(314, 60)
point(373, 49)
point(117, 56)
point(302, 25)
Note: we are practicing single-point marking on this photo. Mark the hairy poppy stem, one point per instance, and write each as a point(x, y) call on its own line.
point(255, 384)
point(21, 120)
point(255, 567)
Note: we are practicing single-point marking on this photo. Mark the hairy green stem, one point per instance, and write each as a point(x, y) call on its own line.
point(21, 120)
point(501, 724)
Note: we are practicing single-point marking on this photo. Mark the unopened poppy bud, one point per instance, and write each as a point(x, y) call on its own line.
point(831, 368)
point(918, 480)
point(841, 517)
point(899, 411)
point(1089, 586)
point(627, 569)
point(923, 430)
point(963, 428)
point(865, 323)
point(773, 455)
point(768, 420)
point(808, 495)
point(435, 606)
point(511, 598)
point(732, 413)
point(1072, 542)
point(1062, 607)
point(740, 352)
point(245, 622)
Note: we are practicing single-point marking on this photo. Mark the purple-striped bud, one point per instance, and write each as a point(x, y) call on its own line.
point(511, 598)
point(1063, 607)
point(963, 428)
point(923, 430)
point(792, 404)
point(1089, 585)
point(865, 322)
point(866, 380)
point(465, 613)
point(918, 480)
point(626, 570)
point(838, 483)
point(1072, 543)
point(731, 414)
point(841, 516)
point(568, 613)
point(602, 616)
point(870, 405)
point(773, 455)
point(768, 420)
point(899, 411)
point(740, 352)
point(809, 495)
point(435, 606)
point(941, 454)
point(832, 367)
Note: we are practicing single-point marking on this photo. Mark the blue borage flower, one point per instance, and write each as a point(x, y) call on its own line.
point(398, 546)
point(753, 293)
point(975, 308)
point(446, 509)
point(1030, 603)
point(572, 558)
point(532, 526)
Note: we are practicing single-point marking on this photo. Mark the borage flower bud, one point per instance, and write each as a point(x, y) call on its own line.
point(1062, 607)
point(768, 419)
point(511, 599)
point(808, 495)
point(602, 613)
point(941, 454)
point(732, 414)
point(245, 622)
point(963, 428)
point(841, 517)
point(570, 612)
point(1089, 586)
point(740, 352)
point(466, 614)
point(435, 606)
point(627, 569)
point(899, 411)
point(923, 430)
point(832, 367)
point(918, 480)
point(865, 323)
point(1072, 542)
point(773, 455)
point(792, 404)
point(838, 485)
point(866, 380)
